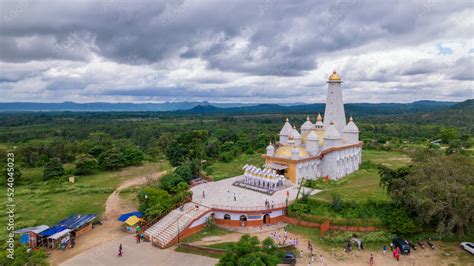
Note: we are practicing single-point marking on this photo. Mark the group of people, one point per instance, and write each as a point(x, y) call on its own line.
point(284, 240)
point(311, 255)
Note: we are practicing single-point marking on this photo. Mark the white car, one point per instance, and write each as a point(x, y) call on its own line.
point(468, 246)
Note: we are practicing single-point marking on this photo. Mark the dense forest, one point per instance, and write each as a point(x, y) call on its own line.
point(111, 140)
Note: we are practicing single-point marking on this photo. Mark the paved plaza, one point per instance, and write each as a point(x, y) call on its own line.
point(222, 193)
point(136, 254)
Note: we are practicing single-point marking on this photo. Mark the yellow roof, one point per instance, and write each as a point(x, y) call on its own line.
point(285, 151)
point(132, 220)
point(319, 133)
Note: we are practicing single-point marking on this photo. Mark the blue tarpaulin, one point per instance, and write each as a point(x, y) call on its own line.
point(53, 230)
point(75, 221)
point(25, 239)
point(125, 216)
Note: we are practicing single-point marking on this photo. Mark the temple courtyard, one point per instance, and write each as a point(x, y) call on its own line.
point(221, 194)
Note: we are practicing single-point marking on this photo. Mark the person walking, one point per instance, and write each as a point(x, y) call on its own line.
point(235, 198)
point(391, 246)
point(120, 251)
point(321, 260)
point(301, 253)
point(137, 237)
point(371, 260)
point(203, 194)
point(384, 249)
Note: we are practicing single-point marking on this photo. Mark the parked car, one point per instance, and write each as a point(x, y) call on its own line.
point(289, 258)
point(468, 246)
point(402, 244)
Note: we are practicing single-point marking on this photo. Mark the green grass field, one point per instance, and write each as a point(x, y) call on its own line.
point(363, 184)
point(222, 170)
point(49, 202)
point(391, 159)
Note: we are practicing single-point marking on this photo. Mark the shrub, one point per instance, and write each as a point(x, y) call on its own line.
point(399, 222)
point(336, 202)
point(226, 157)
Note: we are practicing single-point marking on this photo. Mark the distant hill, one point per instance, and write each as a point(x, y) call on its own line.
point(356, 109)
point(214, 108)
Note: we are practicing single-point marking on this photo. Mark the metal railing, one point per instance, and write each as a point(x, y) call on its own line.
point(253, 208)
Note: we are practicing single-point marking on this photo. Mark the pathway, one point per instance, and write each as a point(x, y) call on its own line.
point(110, 228)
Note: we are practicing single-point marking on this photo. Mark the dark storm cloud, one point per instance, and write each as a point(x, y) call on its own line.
point(285, 38)
point(197, 44)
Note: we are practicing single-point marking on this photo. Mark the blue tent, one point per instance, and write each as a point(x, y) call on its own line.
point(125, 216)
point(75, 221)
point(52, 230)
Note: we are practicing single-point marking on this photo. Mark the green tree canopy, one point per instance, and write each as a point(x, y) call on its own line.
point(53, 168)
point(249, 251)
point(440, 191)
point(85, 164)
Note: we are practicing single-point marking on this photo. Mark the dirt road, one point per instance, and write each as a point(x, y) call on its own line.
point(110, 228)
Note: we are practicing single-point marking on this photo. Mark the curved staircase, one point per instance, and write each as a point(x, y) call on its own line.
point(166, 230)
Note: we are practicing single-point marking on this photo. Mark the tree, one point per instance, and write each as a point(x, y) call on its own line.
point(111, 159)
point(154, 201)
point(184, 172)
point(440, 191)
point(53, 168)
point(188, 146)
point(248, 251)
point(85, 164)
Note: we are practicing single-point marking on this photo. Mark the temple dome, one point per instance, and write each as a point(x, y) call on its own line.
point(287, 129)
point(334, 76)
point(285, 151)
point(331, 132)
point(295, 134)
point(307, 125)
point(351, 127)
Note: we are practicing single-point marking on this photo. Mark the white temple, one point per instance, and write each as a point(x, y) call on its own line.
point(328, 148)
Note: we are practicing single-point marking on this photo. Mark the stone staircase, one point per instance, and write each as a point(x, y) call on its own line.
point(166, 230)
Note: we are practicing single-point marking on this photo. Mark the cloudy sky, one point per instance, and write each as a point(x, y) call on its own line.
point(235, 51)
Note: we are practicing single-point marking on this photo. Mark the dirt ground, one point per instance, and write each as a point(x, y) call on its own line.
point(110, 228)
point(332, 256)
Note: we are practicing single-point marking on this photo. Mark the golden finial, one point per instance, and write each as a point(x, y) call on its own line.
point(334, 76)
point(307, 118)
point(287, 120)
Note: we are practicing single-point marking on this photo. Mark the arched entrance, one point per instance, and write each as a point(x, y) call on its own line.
point(243, 220)
point(266, 219)
point(227, 219)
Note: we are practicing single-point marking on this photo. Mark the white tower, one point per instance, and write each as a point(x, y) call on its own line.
point(334, 105)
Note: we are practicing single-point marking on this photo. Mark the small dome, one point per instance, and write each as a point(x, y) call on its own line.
point(312, 136)
point(319, 122)
point(334, 76)
point(285, 151)
point(270, 147)
point(307, 125)
point(295, 134)
point(287, 129)
point(351, 127)
point(331, 132)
